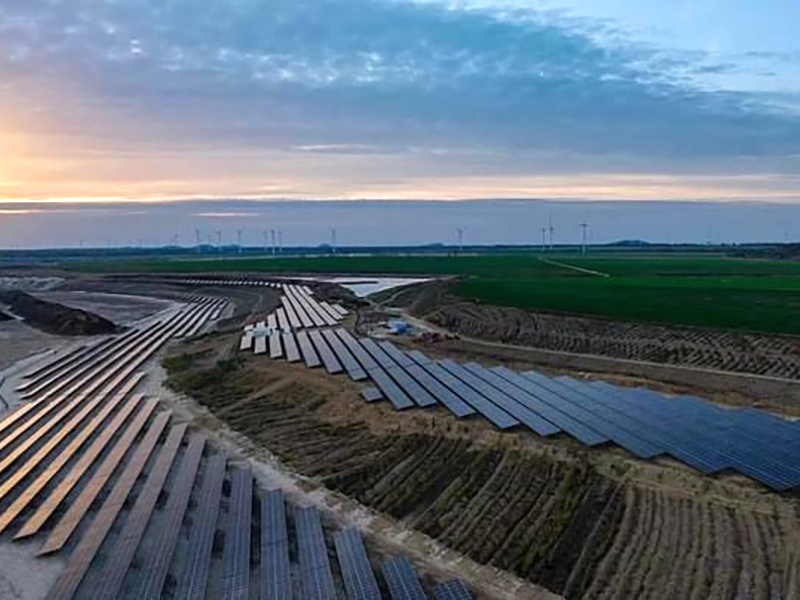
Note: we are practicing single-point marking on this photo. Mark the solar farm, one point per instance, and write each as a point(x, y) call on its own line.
point(132, 500)
point(710, 439)
point(397, 467)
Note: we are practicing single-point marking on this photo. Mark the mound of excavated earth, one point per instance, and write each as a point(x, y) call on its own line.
point(54, 318)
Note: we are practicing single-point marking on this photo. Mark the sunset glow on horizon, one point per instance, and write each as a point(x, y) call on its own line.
point(122, 103)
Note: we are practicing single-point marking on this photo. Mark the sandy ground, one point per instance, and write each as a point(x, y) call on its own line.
point(22, 575)
point(19, 341)
point(119, 308)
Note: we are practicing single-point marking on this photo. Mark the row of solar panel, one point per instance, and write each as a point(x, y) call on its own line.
point(54, 442)
point(709, 438)
point(112, 414)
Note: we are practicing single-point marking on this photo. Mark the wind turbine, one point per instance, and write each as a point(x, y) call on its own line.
point(460, 232)
point(199, 239)
point(584, 226)
point(544, 240)
point(333, 240)
point(552, 231)
point(239, 240)
point(219, 238)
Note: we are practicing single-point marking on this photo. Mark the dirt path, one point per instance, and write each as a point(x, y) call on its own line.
point(556, 263)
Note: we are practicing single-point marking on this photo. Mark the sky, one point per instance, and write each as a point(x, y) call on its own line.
point(175, 109)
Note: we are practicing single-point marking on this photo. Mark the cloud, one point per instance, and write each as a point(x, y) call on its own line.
point(446, 87)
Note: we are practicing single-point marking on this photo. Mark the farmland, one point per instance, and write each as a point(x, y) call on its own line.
point(678, 289)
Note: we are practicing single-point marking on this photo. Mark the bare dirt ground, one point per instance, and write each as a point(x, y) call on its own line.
point(760, 354)
point(728, 367)
point(18, 341)
point(122, 309)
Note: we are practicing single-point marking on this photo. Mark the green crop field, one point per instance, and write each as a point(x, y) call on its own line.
point(701, 290)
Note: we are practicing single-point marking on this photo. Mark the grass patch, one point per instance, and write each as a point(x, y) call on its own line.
point(682, 289)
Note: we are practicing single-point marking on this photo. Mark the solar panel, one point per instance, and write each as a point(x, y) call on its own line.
point(276, 579)
point(76, 511)
point(60, 361)
point(377, 353)
point(372, 394)
point(401, 579)
point(522, 414)
point(246, 342)
point(307, 350)
point(290, 343)
point(498, 417)
point(354, 370)
point(315, 569)
point(553, 408)
point(331, 311)
point(117, 563)
point(685, 448)
point(236, 553)
point(359, 580)
point(82, 556)
point(71, 479)
point(157, 562)
point(260, 346)
point(305, 319)
point(291, 314)
point(390, 390)
point(283, 319)
point(193, 580)
point(33, 488)
point(452, 590)
point(415, 391)
point(366, 360)
point(457, 406)
point(396, 354)
point(275, 347)
point(332, 364)
point(78, 420)
point(611, 424)
point(523, 406)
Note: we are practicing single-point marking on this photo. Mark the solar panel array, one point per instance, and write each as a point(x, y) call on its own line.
point(315, 567)
point(648, 425)
point(86, 460)
point(276, 577)
point(359, 580)
point(401, 579)
point(451, 590)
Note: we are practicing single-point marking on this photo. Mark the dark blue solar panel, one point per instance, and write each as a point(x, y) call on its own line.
point(457, 406)
point(276, 579)
point(411, 387)
point(396, 354)
point(332, 364)
point(401, 579)
point(354, 370)
point(498, 417)
point(613, 424)
point(390, 389)
point(357, 349)
point(558, 413)
point(452, 590)
point(677, 442)
point(359, 580)
point(315, 568)
point(372, 394)
point(525, 416)
point(377, 353)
